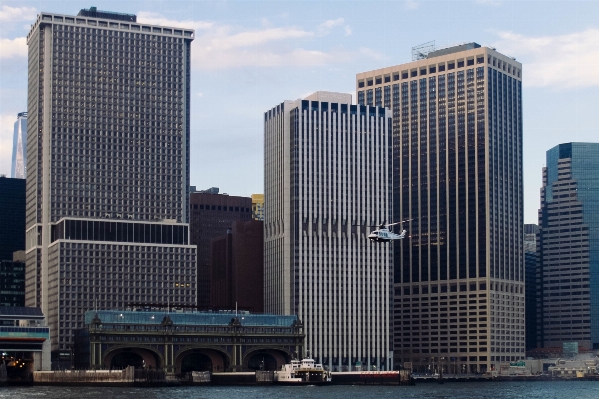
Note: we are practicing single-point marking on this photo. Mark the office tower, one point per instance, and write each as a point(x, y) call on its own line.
point(457, 158)
point(237, 267)
point(12, 219)
point(19, 148)
point(530, 274)
point(568, 247)
point(108, 167)
point(211, 215)
point(327, 180)
point(258, 206)
point(12, 280)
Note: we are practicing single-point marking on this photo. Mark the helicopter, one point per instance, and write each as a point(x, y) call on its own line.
point(383, 234)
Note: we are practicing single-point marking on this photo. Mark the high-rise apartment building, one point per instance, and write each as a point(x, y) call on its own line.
point(568, 247)
point(327, 180)
point(19, 148)
point(530, 274)
point(108, 167)
point(457, 158)
point(211, 215)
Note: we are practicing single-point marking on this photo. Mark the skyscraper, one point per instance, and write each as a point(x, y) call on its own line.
point(568, 247)
point(108, 167)
point(12, 221)
point(327, 180)
point(457, 158)
point(19, 148)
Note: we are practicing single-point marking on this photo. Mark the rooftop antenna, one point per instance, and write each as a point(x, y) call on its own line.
point(421, 51)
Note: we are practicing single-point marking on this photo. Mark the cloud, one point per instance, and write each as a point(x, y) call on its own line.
point(155, 18)
point(11, 48)
point(347, 30)
point(411, 4)
point(12, 14)
point(330, 24)
point(488, 2)
point(562, 61)
point(218, 46)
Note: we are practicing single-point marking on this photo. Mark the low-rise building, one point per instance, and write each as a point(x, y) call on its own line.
point(185, 341)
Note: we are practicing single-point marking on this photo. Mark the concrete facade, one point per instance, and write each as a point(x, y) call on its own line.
point(108, 167)
point(327, 181)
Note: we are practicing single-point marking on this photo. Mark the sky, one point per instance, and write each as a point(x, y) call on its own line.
point(249, 56)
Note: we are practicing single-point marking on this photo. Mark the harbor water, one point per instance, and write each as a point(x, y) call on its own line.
point(462, 390)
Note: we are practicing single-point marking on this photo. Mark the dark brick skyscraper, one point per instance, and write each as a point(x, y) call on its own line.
point(211, 216)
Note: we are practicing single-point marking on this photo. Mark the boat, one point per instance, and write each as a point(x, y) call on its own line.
point(304, 372)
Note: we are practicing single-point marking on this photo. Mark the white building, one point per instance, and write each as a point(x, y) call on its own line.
point(327, 181)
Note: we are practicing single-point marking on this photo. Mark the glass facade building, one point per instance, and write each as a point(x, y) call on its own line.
point(19, 148)
point(12, 222)
point(457, 179)
point(530, 272)
point(327, 181)
point(108, 155)
point(568, 247)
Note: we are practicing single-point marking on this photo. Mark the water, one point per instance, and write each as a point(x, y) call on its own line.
point(462, 390)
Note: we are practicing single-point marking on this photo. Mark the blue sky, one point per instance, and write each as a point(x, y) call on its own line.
point(251, 55)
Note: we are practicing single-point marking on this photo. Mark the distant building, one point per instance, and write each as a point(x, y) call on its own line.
point(327, 181)
point(108, 168)
point(211, 215)
point(12, 216)
point(531, 284)
point(237, 267)
point(569, 247)
point(457, 180)
point(258, 206)
point(12, 280)
point(19, 148)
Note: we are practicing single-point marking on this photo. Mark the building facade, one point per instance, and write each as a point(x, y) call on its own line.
point(108, 167)
point(568, 247)
point(211, 215)
point(459, 277)
point(237, 267)
point(530, 274)
point(12, 280)
point(19, 148)
point(12, 209)
point(327, 180)
point(181, 342)
point(258, 206)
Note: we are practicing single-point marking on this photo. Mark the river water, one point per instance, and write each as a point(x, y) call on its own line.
point(462, 390)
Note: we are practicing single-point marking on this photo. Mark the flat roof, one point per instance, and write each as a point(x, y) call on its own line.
point(149, 317)
point(20, 312)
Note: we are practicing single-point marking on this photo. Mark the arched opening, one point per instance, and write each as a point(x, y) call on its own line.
point(196, 361)
point(136, 357)
point(125, 359)
point(262, 361)
point(201, 359)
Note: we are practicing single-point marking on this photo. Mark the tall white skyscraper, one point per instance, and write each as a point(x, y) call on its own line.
point(108, 167)
point(19, 148)
point(327, 181)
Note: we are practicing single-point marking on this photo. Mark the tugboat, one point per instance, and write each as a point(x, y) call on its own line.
point(304, 372)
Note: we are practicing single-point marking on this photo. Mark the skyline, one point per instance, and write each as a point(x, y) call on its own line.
point(249, 55)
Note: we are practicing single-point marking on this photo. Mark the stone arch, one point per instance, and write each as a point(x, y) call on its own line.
point(150, 356)
point(219, 359)
point(279, 355)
